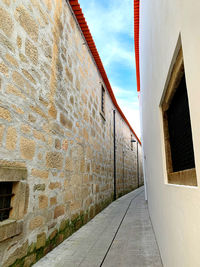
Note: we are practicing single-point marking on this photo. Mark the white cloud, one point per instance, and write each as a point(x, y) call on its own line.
point(107, 24)
point(115, 15)
point(129, 105)
point(132, 115)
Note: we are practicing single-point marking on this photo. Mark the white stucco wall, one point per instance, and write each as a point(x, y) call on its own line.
point(174, 209)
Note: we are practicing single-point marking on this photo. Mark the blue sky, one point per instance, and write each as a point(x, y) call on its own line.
point(111, 25)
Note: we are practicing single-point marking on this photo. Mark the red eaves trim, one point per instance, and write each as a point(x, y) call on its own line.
point(136, 40)
point(90, 42)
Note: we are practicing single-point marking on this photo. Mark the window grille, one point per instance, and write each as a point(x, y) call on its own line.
point(131, 142)
point(102, 99)
point(5, 199)
point(180, 133)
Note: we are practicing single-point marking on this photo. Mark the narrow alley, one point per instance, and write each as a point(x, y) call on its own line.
point(121, 235)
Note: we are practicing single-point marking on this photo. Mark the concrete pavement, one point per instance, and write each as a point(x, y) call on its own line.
point(121, 235)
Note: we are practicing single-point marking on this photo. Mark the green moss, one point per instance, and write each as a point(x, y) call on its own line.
point(39, 253)
point(66, 229)
point(18, 263)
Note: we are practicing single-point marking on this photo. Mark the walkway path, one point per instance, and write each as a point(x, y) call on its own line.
point(121, 235)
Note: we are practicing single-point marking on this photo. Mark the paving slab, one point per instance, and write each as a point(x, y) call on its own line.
point(121, 235)
point(134, 244)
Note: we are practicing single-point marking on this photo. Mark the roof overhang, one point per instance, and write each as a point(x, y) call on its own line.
point(136, 40)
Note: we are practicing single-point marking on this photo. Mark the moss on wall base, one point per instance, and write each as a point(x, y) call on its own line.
point(67, 227)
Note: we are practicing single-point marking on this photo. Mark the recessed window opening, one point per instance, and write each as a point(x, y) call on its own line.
point(5, 199)
point(102, 99)
point(178, 141)
point(131, 142)
point(180, 133)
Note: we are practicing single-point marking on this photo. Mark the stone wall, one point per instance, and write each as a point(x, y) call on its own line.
point(55, 145)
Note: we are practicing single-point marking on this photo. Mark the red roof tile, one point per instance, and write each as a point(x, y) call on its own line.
point(136, 40)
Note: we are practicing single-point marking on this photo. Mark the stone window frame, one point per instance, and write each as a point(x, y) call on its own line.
point(14, 224)
point(186, 177)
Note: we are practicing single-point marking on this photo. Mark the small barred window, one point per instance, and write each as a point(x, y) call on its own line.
point(102, 99)
point(5, 199)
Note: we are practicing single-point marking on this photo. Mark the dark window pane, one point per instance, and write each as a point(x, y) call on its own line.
point(180, 130)
point(5, 198)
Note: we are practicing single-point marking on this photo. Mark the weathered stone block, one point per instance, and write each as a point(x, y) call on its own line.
point(10, 228)
point(4, 69)
point(5, 114)
point(53, 111)
point(6, 43)
point(69, 164)
point(85, 134)
point(25, 128)
point(69, 74)
point(63, 225)
point(27, 22)
point(65, 121)
point(59, 239)
point(54, 160)
point(43, 201)
point(40, 173)
point(65, 145)
point(31, 118)
point(53, 201)
point(31, 51)
point(78, 85)
point(54, 185)
point(11, 60)
point(18, 79)
point(27, 148)
point(19, 41)
point(69, 196)
point(6, 23)
point(38, 135)
point(39, 187)
point(59, 211)
point(57, 144)
point(18, 110)
point(11, 138)
point(41, 240)
point(71, 99)
point(30, 260)
point(23, 58)
point(53, 234)
point(28, 76)
point(75, 205)
point(39, 111)
point(2, 128)
point(36, 222)
point(10, 89)
point(12, 171)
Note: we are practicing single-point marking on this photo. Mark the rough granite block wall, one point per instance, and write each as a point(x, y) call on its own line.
point(55, 145)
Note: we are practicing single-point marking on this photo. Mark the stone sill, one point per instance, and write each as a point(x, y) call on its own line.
point(186, 177)
point(10, 228)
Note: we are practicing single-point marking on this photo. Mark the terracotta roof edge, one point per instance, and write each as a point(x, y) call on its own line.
point(136, 40)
